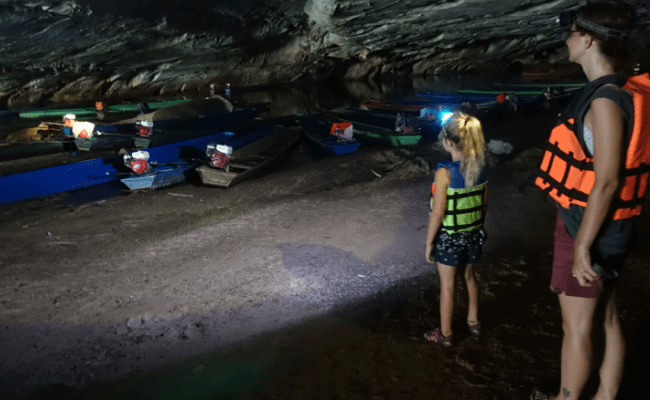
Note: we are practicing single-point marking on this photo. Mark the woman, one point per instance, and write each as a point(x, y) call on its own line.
point(595, 168)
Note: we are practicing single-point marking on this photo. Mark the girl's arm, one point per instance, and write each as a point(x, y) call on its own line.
point(608, 126)
point(442, 179)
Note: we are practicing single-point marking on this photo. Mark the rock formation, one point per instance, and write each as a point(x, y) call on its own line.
point(72, 50)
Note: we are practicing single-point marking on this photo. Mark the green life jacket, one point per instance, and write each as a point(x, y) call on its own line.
point(464, 211)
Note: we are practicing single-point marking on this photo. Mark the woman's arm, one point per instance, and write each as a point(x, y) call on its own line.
point(608, 125)
point(442, 179)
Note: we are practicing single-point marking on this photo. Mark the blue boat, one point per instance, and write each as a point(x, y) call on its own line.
point(427, 127)
point(84, 174)
point(317, 138)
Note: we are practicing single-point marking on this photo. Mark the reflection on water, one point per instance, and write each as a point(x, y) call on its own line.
point(302, 98)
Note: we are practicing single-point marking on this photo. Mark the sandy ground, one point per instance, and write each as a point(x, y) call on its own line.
point(308, 282)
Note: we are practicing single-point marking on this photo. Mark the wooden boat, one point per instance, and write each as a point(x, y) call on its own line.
point(251, 158)
point(118, 136)
point(471, 96)
point(541, 85)
point(411, 106)
point(381, 132)
point(15, 151)
point(317, 138)
point(31, 141)
point(39, 113)
point(160, 176)
point(67, 177)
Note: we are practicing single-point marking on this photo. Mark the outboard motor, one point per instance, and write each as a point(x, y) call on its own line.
point(218, 154)
point(83, 129)
point(101, 109)
point(68, 119)
point(342, 130)
point(137, 161)
point(145, 128)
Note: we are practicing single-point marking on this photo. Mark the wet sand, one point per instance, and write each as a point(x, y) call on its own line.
point(308, 282)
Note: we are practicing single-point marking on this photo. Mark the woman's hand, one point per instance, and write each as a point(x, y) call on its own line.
point(582, 270)
point(428, 255)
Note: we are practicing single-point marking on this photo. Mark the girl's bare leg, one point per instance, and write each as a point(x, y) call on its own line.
point(447, 276)
point(577, 321)
point(611, 371)
point(472, 289)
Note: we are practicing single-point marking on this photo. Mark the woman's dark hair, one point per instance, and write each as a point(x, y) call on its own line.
point(613, 15)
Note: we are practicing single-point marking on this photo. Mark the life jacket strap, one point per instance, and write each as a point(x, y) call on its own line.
point(457, 227)
point(464, 211)
point(458, 196)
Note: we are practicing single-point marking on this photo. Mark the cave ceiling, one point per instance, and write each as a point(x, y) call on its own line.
point(72, 50)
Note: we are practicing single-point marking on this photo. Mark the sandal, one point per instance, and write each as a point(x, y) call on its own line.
point(474, 328)
point(539, 395)
point(437, 337)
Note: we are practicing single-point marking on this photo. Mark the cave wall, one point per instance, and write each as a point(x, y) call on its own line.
point(72, 50)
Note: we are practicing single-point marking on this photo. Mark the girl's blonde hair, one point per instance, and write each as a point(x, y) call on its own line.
point(466, 133)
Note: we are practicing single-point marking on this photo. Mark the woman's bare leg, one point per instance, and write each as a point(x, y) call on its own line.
point(577, 321)
point(472, 290)
point(447, 281)
point(611, 371)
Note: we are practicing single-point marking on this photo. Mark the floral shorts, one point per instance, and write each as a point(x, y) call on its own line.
point(460, 248)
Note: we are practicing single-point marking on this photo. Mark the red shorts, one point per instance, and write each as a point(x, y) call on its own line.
point(562, 280)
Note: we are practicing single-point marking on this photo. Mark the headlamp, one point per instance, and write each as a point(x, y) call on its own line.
point(566, 19)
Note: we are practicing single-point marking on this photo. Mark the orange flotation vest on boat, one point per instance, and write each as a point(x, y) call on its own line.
point(567, 171)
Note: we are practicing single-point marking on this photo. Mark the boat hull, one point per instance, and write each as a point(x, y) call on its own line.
point(166, 132)
point(92, 110)
point(250, 159)
point(160, 177)
point(64, 178)
point(317, 138)
point(15, 151)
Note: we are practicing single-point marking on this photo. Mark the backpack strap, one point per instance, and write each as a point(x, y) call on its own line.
point(620, 97)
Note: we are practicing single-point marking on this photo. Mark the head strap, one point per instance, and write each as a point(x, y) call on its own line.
point(599, 29)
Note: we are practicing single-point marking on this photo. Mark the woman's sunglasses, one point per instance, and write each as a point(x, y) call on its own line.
point(566, 34)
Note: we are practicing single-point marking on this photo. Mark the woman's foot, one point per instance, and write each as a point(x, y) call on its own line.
point(437, 337)
point(474, 328)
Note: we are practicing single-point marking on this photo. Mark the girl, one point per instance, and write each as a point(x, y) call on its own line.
point(455, 234)
point(598, 183)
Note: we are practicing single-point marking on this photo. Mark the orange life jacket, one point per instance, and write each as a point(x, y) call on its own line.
point(567, 172)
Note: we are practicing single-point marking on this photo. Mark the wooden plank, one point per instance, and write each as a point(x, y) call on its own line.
point(242, 166)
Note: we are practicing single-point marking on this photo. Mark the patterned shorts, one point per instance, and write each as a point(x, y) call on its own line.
point(460, 248)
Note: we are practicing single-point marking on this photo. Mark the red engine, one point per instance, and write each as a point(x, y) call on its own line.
point(218, 154)
point(218, 159)
point(137, 161)
point(144, 131)
point(139, 166)
point(84, 134)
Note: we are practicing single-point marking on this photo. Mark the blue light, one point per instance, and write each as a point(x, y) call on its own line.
point(445, 115)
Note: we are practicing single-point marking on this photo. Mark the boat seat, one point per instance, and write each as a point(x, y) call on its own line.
point(239, 165)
